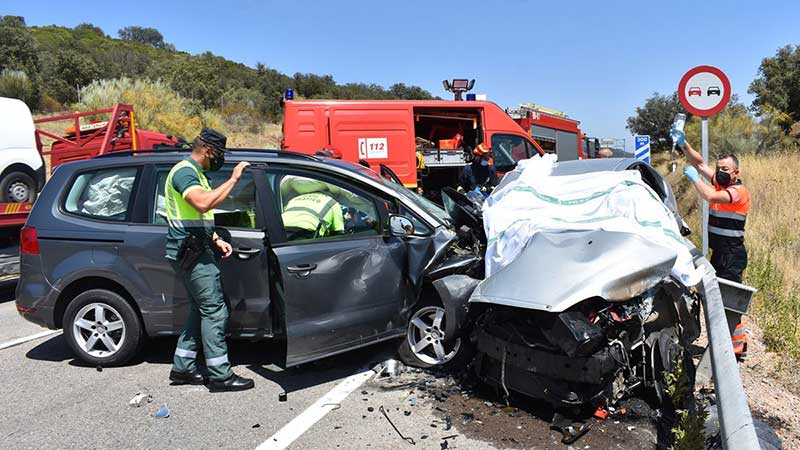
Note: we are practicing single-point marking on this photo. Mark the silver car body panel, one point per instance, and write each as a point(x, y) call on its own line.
point(558, 270)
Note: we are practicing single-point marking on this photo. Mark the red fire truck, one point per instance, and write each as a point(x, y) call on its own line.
point(554, 131)
point(425, 142)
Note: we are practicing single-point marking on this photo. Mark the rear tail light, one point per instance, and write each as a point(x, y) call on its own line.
point(28, 241)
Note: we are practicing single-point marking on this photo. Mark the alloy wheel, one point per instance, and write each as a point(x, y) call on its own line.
point(98, 330)
point(426, 336)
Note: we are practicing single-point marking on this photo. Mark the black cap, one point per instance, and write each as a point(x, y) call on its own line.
point(214, 139)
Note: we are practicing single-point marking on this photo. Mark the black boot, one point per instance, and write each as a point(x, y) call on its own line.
point(234, 383)
point(178, 378)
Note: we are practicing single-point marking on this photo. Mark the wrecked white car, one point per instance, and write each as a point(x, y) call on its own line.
point(586, 295)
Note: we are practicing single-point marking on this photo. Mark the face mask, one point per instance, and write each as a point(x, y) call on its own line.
point(216, 161)
point(722, 178)
point(484, 163)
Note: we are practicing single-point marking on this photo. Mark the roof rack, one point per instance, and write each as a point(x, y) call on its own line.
point(174, 149)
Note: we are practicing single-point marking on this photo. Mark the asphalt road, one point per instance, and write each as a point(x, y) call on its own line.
point(49, 400)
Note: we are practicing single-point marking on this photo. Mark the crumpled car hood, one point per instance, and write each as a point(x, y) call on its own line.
point(560, 269)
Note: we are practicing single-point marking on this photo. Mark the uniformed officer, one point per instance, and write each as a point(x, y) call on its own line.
point(312, 214)
point(729, 204)
point(480, 174)
point(190, 202)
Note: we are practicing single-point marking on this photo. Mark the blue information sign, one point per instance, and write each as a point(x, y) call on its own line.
point(642, 151)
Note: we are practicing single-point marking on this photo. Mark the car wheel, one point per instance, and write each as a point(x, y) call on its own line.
point(18, 187)
point(102, 328)
point(424, 346)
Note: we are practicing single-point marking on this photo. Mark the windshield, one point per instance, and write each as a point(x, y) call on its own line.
point(427, 205)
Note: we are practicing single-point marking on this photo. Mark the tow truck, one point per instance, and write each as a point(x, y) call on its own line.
point(87, 134)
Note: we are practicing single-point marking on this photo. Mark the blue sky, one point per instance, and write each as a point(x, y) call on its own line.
point(594, 60)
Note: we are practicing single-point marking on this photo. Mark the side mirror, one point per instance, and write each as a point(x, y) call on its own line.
point(401, 226)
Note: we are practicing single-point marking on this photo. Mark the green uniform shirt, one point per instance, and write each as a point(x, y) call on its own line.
point(315, 212)
point(183, 179)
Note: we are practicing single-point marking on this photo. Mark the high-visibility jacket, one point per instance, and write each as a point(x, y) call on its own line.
point(739, 340)
point(726, 220)
point(183, 218)
point(315, 212)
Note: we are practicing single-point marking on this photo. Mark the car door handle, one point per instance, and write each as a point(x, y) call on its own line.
point(302, 270)
point(245, 252)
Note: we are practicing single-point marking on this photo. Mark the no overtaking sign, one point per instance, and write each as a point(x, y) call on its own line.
point(704, 91)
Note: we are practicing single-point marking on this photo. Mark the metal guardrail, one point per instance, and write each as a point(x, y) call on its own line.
point(736, 424)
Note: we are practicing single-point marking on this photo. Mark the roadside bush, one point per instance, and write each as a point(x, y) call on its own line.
point(15, 84)
point(157, 106)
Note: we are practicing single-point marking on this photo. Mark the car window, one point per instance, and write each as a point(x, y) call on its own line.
point(237, 211)
point(103, 194)
point(507, 149)
point(314, 209)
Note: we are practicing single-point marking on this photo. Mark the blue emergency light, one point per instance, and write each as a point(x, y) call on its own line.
point(289, 94)
point(470, 97)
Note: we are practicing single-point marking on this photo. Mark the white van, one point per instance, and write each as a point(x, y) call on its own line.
point(22, 170)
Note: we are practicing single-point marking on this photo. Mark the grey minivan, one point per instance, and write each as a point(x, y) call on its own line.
point(92, 260)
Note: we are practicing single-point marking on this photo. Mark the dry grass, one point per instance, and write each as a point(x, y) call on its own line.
point(268, 136)
point(772, 239)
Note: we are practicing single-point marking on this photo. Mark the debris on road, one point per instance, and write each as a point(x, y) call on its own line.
point(162, 413)
point(410, 440)
point(140, 399)
point(282, 396)
point(571, 431)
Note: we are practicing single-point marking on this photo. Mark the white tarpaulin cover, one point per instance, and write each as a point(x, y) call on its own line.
point(612, 201)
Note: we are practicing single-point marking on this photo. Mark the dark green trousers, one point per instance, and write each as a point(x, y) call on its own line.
point(207, 322)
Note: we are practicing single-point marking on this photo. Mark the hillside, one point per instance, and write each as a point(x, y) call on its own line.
point(59, 61)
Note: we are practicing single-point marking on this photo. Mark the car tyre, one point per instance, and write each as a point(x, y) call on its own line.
point(427, 324)
point(18, 187)
point(102, 328)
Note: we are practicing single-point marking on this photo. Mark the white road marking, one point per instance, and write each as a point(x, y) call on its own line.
point(25, 339)
point(314, 413)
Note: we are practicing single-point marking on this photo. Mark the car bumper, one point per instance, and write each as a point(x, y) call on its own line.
point(35, 298)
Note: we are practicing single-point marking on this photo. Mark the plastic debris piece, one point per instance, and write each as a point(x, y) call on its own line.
point(140, 399)
point(631, 428)
point(601, 413)
point(99, 368)
point(407, 413)
point(282, 396)
point(489, 404)
point(444, 445)
point(370, 409)
point(448, 423)
point(258, 425)
point(452, 436)
point(162, 413)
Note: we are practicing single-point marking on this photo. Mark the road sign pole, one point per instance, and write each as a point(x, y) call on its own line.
point(705, 203)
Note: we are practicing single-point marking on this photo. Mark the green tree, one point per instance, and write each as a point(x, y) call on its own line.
point(17, 47)
point(16, 84)
point(401, 91)
point(142, 35)
point(778, 84)
point(90, 27)
point(733, 130)
point(309, 85)
point(67, 72)
point(199, 80)
point(655, 119)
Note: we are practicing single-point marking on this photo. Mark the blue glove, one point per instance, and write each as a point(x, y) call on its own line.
point(477, 189)
point(678, 137)
point(691, 173)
